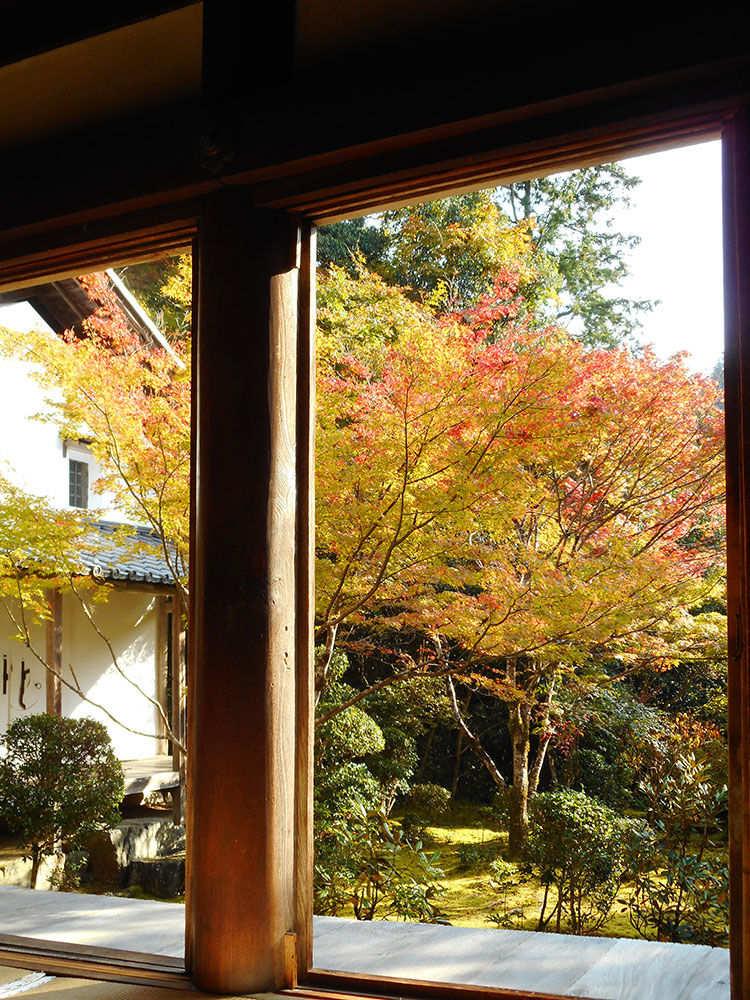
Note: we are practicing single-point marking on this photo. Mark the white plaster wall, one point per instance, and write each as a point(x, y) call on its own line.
point(129, 621)
point(13, 655)
point(31, 452)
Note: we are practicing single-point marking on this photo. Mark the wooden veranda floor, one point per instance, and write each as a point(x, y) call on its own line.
point(606, 968)
point(150, 774)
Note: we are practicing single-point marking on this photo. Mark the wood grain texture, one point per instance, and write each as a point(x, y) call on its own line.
point(282, 128)
point(383, 956)
point(708, 978)
point(290, 960)
point(510, 963)
point(351, 986)
point(8, 975)
point(65, 988)
point(69, 961)
point(525, 961)
point(498, 149)
point(135, 929)
point(736, 212)
point(303, 820)
point(71, 218)
point(59, 249)
point(649, 970)
point(241, 836)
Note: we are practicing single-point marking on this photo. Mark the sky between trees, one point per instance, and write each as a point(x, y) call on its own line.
point(676, 210)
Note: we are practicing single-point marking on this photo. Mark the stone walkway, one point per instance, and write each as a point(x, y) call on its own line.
point(605, 968)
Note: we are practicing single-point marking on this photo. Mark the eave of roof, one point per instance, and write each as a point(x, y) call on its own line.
point(126, 553)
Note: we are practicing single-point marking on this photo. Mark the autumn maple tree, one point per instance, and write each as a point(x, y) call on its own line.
point(530, 507)
point(131, 402)
point(557, 230)
point(525, 511)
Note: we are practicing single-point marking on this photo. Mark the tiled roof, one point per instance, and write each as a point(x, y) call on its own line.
point(126, 552)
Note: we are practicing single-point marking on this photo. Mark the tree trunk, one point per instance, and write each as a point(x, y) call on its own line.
point(544, 737)
point(471, 739)
point(459, 750)
point(36, 858)
point(519, 726)
point(425, 755)
point(457, 762)
point(322, 666)
point(552, 770)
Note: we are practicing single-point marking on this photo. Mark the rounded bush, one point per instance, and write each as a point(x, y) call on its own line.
point(428, 800)
point(59, 780)
point(577, 846)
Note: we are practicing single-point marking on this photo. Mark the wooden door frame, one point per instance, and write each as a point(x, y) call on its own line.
point(282, 213)
point(733, 126)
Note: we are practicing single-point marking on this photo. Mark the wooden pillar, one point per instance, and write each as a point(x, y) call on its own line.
point(241, 886)
point(736, 211)
point(305, 600)
point(54, 653)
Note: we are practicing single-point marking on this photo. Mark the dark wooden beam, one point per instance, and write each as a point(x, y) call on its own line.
point(241, 899)
point(90, 243)
point(54, 639)
point(299, 147)
point(250, 54)
point(736, 213)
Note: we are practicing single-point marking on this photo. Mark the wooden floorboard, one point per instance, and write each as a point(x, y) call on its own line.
point(150, 774)
point(140, 925)
point(86, 989)
point(653, 970)
point(606, 968)
point(18, 983)
point(703, 982)
point(543, 965)
point(8, 975)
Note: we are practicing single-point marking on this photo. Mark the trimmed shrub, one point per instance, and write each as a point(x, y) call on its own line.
point(59, 780)
point(424, 804)
point(679, 862)
point(576, 846)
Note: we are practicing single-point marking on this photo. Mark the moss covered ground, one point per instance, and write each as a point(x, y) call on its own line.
point(468, 841)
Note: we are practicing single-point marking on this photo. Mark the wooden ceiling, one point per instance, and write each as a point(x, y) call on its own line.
point(152, 62)
point(311, 102)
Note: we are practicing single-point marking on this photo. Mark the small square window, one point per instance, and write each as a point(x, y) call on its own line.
point(78, 478)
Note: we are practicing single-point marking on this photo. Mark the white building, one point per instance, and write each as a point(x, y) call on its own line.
point(136, 619)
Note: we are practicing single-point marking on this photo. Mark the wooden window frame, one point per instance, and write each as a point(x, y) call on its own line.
point(256, 260)
point(78, 483)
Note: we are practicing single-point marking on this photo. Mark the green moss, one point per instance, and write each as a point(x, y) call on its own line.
point(468, 891)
